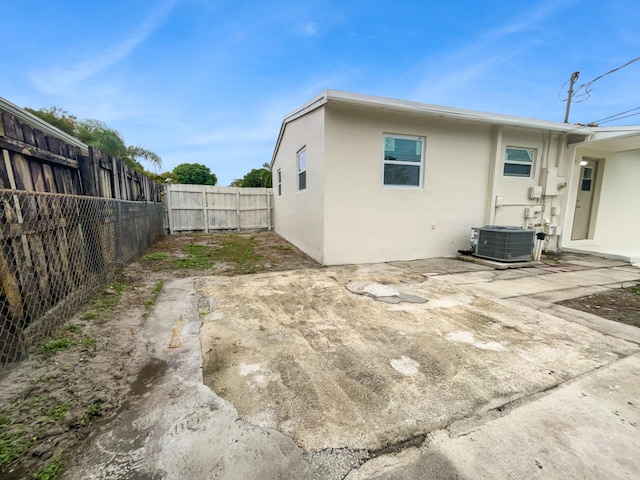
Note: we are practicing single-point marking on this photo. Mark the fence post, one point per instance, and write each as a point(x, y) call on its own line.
point(238, 206)
point(205, 215)
point(269, 213)
point(167, 199)
point(87, 177)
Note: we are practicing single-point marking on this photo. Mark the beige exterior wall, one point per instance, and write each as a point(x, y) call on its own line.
point(366, 222)
point(514, 191)
point(346, 215)
point(299, 215)
point(614, 221)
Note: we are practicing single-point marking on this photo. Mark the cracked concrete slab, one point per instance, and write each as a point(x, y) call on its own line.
point(335, 369)
point(588, 428)
point(310, 380)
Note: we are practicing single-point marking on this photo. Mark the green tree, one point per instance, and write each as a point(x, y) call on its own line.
point(257, 177)
point(99, 135)
point(110, 141)
point(57, 117)
point(193, 173)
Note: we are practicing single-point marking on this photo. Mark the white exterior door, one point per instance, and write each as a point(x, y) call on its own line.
point(584, 200)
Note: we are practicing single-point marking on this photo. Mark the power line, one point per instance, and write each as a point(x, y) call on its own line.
point(616, 115)
point(586, 86)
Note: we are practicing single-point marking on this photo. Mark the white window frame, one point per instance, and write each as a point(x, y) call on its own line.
point(423, 142)
point(300, 153)
point(531, 164)
point(279, 181)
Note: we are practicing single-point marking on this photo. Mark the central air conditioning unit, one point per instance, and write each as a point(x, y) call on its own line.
point(503, 243)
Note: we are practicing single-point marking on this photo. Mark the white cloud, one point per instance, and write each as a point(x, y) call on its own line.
point(59, 79)
point(308, 29)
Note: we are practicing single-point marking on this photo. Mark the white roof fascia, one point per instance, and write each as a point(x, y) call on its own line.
point(617, 143)
point(384, 103)
point(40, 124)
point(437, 111)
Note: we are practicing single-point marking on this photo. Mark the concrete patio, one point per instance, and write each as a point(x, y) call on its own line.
point(349, 372)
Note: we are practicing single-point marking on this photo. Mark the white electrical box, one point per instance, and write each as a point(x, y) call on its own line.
point(555, 211)
point(535, 193)
point(499, 200)
point(532, 212)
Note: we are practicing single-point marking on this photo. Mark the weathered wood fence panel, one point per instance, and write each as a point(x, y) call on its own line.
point(34, 161)
point(203, 208)
point(55, 251)
point(59, 240)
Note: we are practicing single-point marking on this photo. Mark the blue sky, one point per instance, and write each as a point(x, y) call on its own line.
point(210, 81)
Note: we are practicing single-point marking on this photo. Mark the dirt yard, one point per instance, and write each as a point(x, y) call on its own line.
point(78, 379)
point(621, 305)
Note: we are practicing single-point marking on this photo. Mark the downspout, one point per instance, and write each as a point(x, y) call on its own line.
point(494, 161)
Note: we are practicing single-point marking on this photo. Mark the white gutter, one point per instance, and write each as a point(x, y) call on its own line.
point(40, 124)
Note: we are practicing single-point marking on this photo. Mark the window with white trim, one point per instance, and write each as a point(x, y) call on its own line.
point(302, 169)
point(518, 162)
point(402, 161)
point(279, 180)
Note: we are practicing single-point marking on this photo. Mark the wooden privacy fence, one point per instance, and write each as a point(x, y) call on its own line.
point(55, 251)
point(69, 216)
point(203, 208)
point(35, 161)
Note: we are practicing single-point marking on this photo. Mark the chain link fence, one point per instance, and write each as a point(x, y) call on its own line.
point(56, 251)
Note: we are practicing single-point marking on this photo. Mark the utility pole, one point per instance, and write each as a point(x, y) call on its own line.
point(574, 77)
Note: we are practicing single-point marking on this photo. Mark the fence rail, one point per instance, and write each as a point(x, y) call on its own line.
point(204, 208)
point(55, 251)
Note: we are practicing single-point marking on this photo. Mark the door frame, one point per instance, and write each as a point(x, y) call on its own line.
point(596, 180)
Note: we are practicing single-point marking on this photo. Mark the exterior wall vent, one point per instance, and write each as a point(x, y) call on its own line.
point(503, 243)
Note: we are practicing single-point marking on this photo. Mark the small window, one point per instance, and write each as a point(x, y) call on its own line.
point(518, 162)
point(587, 175)
point(279, 180)
point(402, 161)
point(302, 169)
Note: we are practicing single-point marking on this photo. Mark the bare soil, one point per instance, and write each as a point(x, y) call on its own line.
point(79, 379)
point(621, 305)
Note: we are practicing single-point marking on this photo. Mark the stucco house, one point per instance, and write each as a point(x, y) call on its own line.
point(360, 179)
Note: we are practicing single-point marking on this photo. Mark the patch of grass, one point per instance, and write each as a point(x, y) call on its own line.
point(154, 294)
point(14, 442)
point(58, 411)
point(51, 471)
point(635, 290)
point(55, 345)
point(105, 301)
point(88, 342)
point(90, 315)
point(199, 258)
point(239, 250)
point(75, 327)
point(93, 411)
point(48, 377)
point(154, 256)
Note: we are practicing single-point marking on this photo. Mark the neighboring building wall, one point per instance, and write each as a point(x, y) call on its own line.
point(617, 195)
point(366, 222)
point(299, 215)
